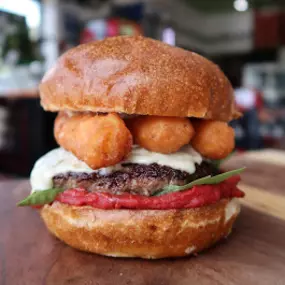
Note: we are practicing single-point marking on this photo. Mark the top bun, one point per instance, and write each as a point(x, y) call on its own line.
point(137, 75)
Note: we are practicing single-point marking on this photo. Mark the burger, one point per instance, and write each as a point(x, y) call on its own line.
point(140, 126)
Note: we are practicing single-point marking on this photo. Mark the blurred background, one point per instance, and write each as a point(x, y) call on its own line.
point(246, 38)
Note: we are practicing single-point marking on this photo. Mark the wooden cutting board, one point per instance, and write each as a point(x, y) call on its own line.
point(253, 254)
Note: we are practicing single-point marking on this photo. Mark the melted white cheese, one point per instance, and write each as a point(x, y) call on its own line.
point(61, 161)
point(184, 159)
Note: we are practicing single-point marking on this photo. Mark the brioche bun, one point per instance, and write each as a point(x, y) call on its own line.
point(137, 75)
point(141, 233)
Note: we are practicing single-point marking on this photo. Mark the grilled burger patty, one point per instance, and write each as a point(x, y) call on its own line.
point(133, 178)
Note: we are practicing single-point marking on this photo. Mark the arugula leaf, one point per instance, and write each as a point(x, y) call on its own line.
point(41, 197)
point(201, 181)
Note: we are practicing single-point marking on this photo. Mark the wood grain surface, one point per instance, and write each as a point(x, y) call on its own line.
point(253, 254)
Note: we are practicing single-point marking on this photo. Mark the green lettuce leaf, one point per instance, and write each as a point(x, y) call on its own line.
point(201, 181)
point(41, 197)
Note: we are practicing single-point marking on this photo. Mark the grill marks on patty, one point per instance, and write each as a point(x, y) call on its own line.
point(133, 178)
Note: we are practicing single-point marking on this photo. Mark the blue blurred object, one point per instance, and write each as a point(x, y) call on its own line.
point(132, 12)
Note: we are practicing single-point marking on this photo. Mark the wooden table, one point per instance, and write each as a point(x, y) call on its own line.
point(254, 253)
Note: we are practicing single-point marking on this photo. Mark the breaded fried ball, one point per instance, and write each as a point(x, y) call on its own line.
point(98, 140)
point(161, 134)
point(213, 139)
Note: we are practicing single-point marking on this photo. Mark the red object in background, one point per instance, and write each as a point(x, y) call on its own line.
point(113, 26)
point(282, 28)
point(86, 37)
point(266, 29)
point(259, 102)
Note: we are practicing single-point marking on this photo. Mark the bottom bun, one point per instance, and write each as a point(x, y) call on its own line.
point(141, 233)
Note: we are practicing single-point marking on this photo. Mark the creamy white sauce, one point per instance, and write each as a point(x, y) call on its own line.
point(61, 161)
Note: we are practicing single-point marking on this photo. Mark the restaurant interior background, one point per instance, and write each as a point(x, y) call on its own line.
point(246, 38)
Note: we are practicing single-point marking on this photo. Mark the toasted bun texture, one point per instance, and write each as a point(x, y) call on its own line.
point(141, 233)
point(138, 75)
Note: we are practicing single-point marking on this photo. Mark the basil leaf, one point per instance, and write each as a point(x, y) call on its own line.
point(223, 176)
point(41, 197)
point(201, 181)
point(175, 188)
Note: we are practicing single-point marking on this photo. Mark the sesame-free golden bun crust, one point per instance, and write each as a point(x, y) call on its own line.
point(141, 233)
point(137, 75)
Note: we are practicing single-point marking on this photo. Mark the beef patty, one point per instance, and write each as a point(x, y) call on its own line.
point(133, 178)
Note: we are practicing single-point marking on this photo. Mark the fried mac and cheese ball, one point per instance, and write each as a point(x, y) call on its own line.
point(213, 139)
point(161, 134)
point(98, 140)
